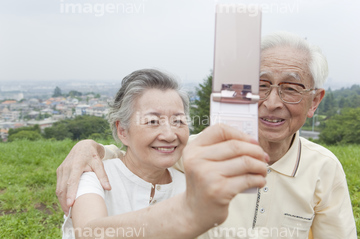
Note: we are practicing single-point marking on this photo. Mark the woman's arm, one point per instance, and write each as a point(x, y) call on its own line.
point(219, 164)
point(87, 208)
point(167, 219)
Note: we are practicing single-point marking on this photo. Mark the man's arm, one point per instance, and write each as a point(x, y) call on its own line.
point(85, 156)
point(334, 216)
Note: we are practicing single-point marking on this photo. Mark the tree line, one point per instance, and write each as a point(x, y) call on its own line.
point(72, 93)
point(339, 121)
point(335, 101)
point(81, 127)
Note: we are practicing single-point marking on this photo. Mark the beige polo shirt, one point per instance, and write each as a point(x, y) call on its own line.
point(306, 189)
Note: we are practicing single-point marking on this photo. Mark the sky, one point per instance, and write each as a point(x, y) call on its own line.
point(104, 40)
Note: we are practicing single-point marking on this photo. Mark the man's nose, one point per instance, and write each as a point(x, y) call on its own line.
point(273, 100)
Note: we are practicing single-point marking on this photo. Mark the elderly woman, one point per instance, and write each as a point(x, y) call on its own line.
point(148, 116)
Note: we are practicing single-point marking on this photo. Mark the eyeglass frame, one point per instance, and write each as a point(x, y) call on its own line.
point(279, 92)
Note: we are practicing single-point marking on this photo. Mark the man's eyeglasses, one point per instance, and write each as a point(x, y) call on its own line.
point(291, 93)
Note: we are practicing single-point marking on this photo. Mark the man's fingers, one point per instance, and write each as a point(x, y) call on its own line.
point(61, 190)
point(98, 167)
point(221, 132)
point(72, 186)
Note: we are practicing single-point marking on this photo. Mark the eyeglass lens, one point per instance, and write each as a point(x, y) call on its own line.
point(288, 92)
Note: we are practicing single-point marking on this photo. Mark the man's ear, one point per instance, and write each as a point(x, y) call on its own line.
point(319, 95)
point(122, 133)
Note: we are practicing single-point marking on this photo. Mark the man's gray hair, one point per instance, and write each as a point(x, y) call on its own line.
point(132, 87)
point(318, 65)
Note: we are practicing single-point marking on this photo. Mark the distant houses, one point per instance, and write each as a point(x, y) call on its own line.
point(28, 112)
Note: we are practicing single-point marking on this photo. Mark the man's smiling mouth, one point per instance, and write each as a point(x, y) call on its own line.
point(272, 120)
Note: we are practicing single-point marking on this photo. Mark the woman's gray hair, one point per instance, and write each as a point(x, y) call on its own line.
point(132, 87)
point(318, 65)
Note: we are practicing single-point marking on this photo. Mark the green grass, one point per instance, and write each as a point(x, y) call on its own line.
point(29, 206)
point(349, 158)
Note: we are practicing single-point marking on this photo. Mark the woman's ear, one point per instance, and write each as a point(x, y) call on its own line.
point(121, 133)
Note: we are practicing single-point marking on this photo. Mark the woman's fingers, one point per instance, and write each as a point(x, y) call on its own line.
point(235, 185)
point(240, 166)
point(221, 132)
point(231, 149)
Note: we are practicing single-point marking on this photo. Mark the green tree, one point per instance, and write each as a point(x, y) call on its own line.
point(25, 134)
point(58, 132)
point(342, 128)
point(57, 92)
point(81, 127)
point(74, 93)
point(200, 108)
point(355, 101)
point(96, 136)
point(342, 103)
point(35, 128)
point(329, 104)
point(339, 99)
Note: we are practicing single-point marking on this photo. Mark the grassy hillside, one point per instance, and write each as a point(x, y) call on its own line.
point(28, 204)
point(349, 157)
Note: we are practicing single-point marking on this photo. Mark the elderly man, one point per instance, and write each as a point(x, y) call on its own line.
point(306, 194)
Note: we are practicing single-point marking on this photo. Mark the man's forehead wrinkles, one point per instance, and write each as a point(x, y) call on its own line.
point(285, 74)
point(283, 64)
point(276, 58)
point(278, 68)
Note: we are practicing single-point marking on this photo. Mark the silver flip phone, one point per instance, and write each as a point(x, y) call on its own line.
point(235, 89)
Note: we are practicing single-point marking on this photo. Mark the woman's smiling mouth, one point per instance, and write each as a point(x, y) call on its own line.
point(165, 149)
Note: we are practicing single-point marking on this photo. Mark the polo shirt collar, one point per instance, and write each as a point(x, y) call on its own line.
point(289, 163)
